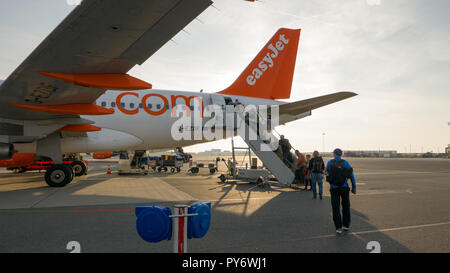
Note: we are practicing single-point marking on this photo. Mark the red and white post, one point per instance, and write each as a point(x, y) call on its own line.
point(179, 231)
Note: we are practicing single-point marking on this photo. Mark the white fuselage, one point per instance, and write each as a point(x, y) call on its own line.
point(144, 120)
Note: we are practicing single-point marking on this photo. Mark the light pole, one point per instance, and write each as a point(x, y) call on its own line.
point(323, 142)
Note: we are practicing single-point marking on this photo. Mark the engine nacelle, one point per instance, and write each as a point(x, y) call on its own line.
point(6, 151)
point(101, 141)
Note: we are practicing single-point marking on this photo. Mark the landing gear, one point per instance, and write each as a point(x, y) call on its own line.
point(59, 175)
point(79, 168)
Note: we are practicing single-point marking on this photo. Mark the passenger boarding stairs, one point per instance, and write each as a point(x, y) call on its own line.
point(265, 150)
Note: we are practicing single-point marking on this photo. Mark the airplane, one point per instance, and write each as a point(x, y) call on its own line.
point(73, 95)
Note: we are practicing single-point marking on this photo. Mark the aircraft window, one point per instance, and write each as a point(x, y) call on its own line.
point(113, 104)
point(141, 106)
point(131, 105)
point(192, 108)
point(103, 103)
point(122, 104)
point(167, 106)
point(149, 106)
point(158, 106)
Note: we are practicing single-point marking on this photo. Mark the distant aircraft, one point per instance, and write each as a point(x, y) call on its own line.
point(59, 100)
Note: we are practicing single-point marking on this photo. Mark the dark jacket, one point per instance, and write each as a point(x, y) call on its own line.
point(285, 145)
point(316, 165)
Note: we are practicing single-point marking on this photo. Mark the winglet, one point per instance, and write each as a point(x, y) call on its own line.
point(270, 74)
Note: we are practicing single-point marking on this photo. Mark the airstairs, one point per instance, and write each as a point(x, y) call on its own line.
point(265, 146)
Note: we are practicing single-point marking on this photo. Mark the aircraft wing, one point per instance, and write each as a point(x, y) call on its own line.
point(97, 37)
point(300, 109)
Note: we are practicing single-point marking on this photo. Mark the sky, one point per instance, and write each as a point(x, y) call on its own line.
point(395, 54)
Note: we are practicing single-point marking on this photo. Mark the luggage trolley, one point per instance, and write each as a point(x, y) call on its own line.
point(153, 162)
point(204, 164)
point(165, 162)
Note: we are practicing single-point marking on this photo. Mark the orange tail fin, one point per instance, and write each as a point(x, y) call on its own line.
point(270, 74)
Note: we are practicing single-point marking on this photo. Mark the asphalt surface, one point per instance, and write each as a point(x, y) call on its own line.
point(401, 204)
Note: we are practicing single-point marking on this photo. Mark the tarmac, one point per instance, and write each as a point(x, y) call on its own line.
point(401, 204)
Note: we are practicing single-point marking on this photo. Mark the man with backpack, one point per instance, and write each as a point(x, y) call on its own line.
point(316, 168)
point(338, 172)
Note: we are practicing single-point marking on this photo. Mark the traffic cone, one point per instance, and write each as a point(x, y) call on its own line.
point(109, 170)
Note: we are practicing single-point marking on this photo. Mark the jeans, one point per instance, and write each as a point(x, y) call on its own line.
point(338, 195)
point(316, 178)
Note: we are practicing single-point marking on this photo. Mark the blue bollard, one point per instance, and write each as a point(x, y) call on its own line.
point(153, 223)
point(199, 225)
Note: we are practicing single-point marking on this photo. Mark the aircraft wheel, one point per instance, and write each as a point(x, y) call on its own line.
point(159, 169)
point(172, 170)
point(178, 170)
point(59, 175)
point(79, 168)
point(212, 171)
point(259, 181)
point(165, 169)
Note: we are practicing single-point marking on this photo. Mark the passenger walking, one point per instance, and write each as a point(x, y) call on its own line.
point(316, 168)
point(285, 148)
point(307, 173)
point(338, 171)
point(301, 167)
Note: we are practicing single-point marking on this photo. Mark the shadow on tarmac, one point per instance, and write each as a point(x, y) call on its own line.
point(291, 221)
